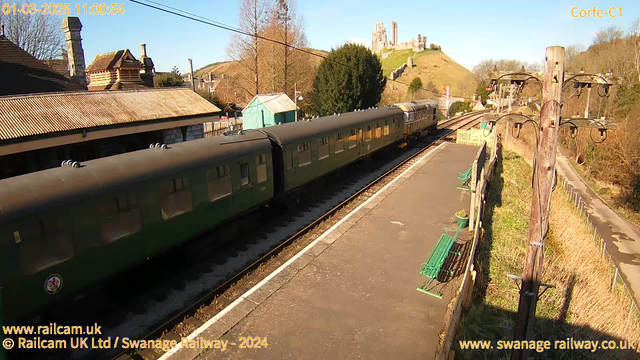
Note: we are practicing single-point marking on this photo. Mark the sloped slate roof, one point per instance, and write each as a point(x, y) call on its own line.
point(114, 60)
point(31, 115)
point(23, 74)
point(58, 66)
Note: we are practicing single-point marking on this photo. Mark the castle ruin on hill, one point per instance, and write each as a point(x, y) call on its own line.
point(379, 40)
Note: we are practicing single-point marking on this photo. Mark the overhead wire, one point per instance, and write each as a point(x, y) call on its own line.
point(201, 19)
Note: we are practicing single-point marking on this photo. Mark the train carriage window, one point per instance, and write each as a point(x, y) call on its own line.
point(175, 198)
point(352, 138)
point(261, 168)
point(119, 217)
point(386, 128)
point(244, 174)
point(339, 143)
point(323, 147)
point(289, 159)
point(44, 242)
point(304, 154)
point(219, 182)
point(378, 132)
point(367, 133)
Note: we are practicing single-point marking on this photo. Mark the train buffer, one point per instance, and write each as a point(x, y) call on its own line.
point(431, 269)
point(465, 177)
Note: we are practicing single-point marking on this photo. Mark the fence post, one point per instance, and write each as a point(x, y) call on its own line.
point(633, 305)
point(604, 248)
point(474, 188)
point(615, 278)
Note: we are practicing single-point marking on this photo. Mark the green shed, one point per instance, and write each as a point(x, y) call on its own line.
point(267, 110)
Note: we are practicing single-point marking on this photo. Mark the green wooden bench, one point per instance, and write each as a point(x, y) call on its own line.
point(431, 269)
point(465, 177)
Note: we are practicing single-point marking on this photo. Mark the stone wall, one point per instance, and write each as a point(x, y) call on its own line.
point(398, 72)
point(172, 136)
point(415, 45)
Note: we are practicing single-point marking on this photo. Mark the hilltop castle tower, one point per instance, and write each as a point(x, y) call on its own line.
point(379, 40)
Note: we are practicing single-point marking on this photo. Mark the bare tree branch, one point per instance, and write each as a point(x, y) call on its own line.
point(39, 35)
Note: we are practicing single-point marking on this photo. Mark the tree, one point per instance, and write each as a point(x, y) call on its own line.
point(171, 79)
point(459, 106)
point(282, 67)
point(482, 92)
point(246, 49)
point(608, 35)
point(416, 84)
point(213, 98)
point(349, 78)
point(39, 35)
point(570, 56)
point(634, 37)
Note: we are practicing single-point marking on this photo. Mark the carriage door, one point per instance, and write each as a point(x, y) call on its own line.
point(360, 141)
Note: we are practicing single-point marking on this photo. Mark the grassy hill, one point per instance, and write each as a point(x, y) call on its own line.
point(430, 66)
point(232, 68)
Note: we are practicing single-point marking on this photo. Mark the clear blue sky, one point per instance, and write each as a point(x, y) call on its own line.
point(468, 31)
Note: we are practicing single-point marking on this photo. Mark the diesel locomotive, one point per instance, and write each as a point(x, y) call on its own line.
point(67, 228)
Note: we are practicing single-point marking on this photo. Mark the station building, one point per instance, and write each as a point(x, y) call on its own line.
point(48, 116)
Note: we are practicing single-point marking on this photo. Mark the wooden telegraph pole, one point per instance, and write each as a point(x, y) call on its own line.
point(544, 172)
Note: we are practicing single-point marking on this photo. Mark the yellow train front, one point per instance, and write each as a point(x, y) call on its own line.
point(419, 117)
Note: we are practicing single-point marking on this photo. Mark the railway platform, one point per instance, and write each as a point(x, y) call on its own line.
point(352, 292)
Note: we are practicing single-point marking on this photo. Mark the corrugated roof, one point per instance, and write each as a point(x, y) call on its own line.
point(29, 115)
point(276, 103)
point(22, 73)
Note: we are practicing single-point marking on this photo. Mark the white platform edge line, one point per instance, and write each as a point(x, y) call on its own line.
point(257, 286)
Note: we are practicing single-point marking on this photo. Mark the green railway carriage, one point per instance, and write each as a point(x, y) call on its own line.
point(64, 229)
point(312, 148)
point(67, 228)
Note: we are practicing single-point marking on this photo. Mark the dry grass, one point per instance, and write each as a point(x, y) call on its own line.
point(581, 306)
point(396, 59)
point(434, 66)
point(233, 68)
point(610, 193)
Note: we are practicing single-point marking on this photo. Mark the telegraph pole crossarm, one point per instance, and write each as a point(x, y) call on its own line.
point(544, 174)
point(553, 81)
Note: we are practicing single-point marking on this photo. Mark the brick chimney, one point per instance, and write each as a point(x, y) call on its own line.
point(75, 55)
point(147, 72)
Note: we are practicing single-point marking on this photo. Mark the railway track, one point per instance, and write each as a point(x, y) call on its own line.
point(183, 323)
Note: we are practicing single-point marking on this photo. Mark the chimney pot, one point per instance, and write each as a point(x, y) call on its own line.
point(143, 50)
